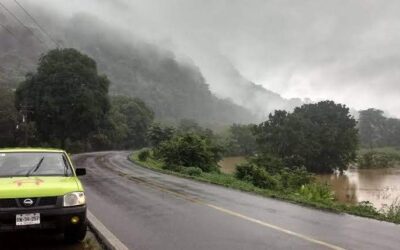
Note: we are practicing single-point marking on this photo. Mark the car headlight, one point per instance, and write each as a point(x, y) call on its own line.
point(74, 199)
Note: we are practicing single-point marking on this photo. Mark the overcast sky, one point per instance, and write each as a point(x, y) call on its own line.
point(348, 51)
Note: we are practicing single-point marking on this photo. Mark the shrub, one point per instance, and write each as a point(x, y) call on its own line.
point(245, 171)
point(295, 178)
point(258, 176)
point(192, 171)
point(268, 162)
point(365, 208)
point(190, 150)
point(143, 155)
point(173, 167)
point(263, 179)
point(392, 212)
point(317, 192)
point(375, 159)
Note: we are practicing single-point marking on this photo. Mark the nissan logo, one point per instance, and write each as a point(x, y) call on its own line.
point(28, 202)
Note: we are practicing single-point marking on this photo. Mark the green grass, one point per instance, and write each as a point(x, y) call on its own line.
point(229, 181)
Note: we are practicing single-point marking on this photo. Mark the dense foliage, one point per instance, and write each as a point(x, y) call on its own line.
point(67, 96)
point(189, 150)
point(241, 140)
point(8, 118)
point(66, 104)
point(158, 133)
point(322, 137)
point(377, 130)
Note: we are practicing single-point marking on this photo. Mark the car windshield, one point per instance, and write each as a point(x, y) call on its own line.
point(34, 164)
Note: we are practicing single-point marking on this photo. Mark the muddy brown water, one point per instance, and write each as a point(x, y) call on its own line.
point(379, 186)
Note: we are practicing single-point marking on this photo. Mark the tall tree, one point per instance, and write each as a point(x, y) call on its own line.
point(8, 118)
point(68, 96)
point(322, 137)
point(372, 127)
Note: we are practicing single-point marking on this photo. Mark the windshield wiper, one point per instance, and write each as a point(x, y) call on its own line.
point(35, 168)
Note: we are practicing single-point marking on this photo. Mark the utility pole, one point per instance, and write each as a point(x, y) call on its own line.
point(25, 110)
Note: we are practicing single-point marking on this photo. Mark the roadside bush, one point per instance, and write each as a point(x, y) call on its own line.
point(263, 179)
point(365, 208)
point(144, 155)
point(256, 175)
point(173, 167)
point(317, 192)
point(190, 150)
point(192, 171)
point(295, 178)
point(245, 171)
point(269, 163)
point(392, 212)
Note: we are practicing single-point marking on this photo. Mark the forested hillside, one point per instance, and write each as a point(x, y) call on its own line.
point(172, 89)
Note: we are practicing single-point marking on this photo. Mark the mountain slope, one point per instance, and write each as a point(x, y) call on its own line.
point(173, 89)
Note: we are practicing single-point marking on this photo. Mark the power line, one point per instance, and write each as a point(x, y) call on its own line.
point(9, 31)
point(34, 20)
point(20, 22)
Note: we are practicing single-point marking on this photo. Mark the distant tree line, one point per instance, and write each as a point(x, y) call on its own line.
point(377, 130)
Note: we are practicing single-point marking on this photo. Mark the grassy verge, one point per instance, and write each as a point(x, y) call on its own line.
point(364, 209)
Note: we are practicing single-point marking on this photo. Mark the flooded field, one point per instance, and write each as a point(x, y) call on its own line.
point(379, 186)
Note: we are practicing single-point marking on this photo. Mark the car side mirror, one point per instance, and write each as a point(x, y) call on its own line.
point(80, 171)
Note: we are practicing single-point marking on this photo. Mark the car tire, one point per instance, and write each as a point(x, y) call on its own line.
point(75, 234)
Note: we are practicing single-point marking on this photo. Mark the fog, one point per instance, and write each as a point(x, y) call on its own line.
point(347, 51)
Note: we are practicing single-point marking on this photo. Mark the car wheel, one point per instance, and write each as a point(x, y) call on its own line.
point(75, 234)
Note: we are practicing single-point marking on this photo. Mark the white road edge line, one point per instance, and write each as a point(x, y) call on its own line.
point(277, 228)
point(110, 240)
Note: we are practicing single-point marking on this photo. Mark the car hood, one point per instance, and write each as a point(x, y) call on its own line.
point(21, 187)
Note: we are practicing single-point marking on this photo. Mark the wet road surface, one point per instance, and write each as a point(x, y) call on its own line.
point(150, 210)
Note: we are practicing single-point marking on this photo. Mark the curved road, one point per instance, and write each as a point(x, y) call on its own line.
point(150, 210)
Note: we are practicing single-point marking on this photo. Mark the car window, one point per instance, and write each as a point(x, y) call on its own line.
point(34, 164)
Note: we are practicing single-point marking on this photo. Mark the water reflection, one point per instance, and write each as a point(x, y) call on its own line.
point(379, 186)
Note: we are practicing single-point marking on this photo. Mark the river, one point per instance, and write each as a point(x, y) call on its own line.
point(379, 186)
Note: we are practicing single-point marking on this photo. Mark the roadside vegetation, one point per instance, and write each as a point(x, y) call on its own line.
point(385, 157)
point(280, 161)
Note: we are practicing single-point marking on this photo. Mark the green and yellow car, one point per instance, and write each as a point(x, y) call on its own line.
point(39, 189)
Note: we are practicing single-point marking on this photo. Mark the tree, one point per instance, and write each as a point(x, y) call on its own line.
point(137, 119)
point(158, 133)
point(322, 137)
point(242, 140)
point(68, 96)
point(377, 130)
point(8, 118)
point(372, 128)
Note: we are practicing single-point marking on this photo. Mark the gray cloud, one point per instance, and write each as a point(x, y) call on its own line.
point(348, 51)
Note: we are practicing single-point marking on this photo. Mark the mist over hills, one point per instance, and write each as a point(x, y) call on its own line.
point(173, 89)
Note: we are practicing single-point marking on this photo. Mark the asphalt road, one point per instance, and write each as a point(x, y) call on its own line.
point(37, 240)
point(150, 210)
